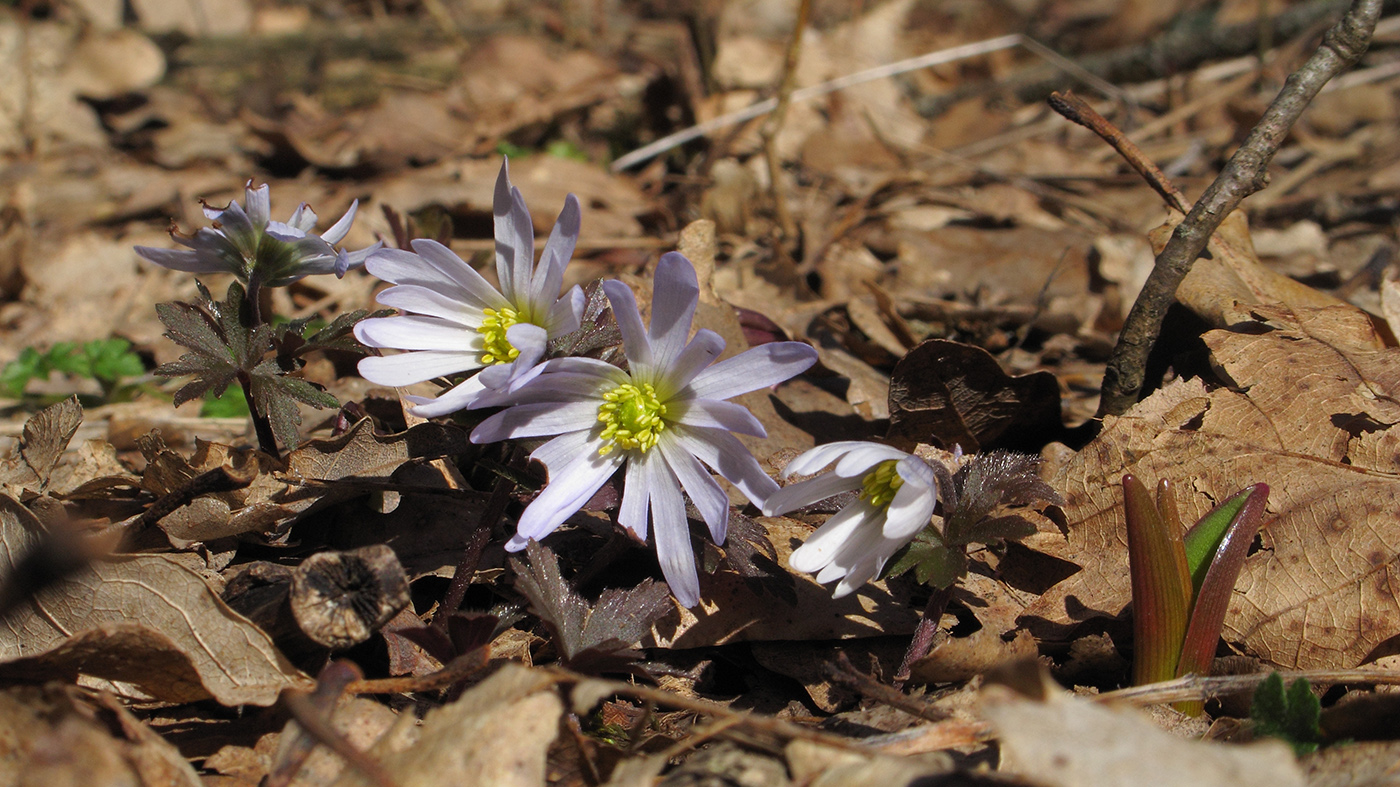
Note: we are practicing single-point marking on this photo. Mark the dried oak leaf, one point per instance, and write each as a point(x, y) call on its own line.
point(45, 437)
point(590, 637)
point(144, 620)
point(1313, 412)
point(957, 394)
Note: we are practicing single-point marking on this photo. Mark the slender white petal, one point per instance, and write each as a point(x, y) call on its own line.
point(411, 332)
point(724, 453)
point(515, 238)
point(449, 401)
point(551, 387)
point(431, 303)
point(909, 511)
point(704, 490)
point(341, 228)
point(821, 547)
point(759, 367)
point(549, 274)
point(814, 459)
point(715, 414)
point(633, 512)
point(674, 296)
point(259, 201)
point(304, 219)
point(567, 491)
point(415, 367)
point(699, 353)
point(673, 548)
point(862, 458)
point(566, 315)
point(805, 493)
point(446, 267)
point(629, 324)
point(530, 341)
point(536, 420)
point(183, 260)
point(563, 449)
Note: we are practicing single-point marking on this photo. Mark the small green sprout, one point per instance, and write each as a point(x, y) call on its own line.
point(110, 362)
point(1182, 582)
point(1294, 715)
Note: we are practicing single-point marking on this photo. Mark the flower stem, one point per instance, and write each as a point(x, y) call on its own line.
point(922, 642)
point(262, 426)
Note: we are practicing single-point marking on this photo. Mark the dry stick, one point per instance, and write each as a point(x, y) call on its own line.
point(1078, 110)
point(1244, 174)
point(457, 670)
point(786, 226)
point(1200, 687)
point(844, 672)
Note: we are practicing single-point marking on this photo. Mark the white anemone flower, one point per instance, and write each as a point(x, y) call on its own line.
point(897, 497)
point(665, 419)
point(249, 244)
point(455, 321)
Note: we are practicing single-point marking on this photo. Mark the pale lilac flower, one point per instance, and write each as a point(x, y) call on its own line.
point(249, 244)
point(898, 492)
point(456, 321)
point(665, 419)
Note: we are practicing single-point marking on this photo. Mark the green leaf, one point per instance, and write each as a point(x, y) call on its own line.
point(1293, 716)
point(933, 562)
point(276, 395)
point(232, 404)
point(111, 360)
point(65, 357)
point(17, 373)
point(1161, 586)
point(1204, 537)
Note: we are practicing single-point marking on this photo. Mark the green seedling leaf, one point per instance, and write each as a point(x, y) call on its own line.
point(933, 562)
point(1293, 716)
point(233, 404)
point(1161, 586)
point(111, 360)
point(1204, 537)
point(17, 373)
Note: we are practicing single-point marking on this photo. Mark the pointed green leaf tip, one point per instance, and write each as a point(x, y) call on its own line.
point(1294, 715)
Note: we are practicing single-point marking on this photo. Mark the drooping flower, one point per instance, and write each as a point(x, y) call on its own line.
point(456, 321)
point(664, 418)
point(249, 244)
point(898, 493)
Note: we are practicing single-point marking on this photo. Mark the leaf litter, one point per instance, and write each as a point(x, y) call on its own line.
point(963, 260)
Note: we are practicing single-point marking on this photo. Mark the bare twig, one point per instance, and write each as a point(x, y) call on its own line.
point(774, 125)
point(1078, 110)
point(1200, 687)
point(312, 713)
point(844, 672)
point(1245, 174)
point(460, 668)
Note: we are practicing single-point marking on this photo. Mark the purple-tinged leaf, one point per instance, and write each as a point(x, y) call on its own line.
point(1198, 648)
point(1204, 537)
point(1161, 586)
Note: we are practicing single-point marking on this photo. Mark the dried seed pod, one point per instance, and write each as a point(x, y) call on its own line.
point(339, 599)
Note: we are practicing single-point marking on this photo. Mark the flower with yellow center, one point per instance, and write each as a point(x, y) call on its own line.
point(664, 420)
point(897, 493)
point(454, 321)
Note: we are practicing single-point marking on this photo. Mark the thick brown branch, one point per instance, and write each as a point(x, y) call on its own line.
point(1244, 174)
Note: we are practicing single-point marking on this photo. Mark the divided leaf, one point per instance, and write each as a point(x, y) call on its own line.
point(592, 638)
point(1293, 716)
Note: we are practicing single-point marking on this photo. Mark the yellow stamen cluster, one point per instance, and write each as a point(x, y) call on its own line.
point(881, 484)
point(493, 333)
point(632, 417)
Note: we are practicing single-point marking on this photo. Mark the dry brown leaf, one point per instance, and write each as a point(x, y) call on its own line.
point(1233, 275)
point(52, 738)
point(45, 437)
point(1065, 741)
point(144, 620)
point(498, 732)
point(1314, 416)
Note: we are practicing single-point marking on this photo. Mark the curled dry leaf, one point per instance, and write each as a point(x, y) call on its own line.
point(958, 394)
point(144, 620)
point(45, 437)
point(1313, 413)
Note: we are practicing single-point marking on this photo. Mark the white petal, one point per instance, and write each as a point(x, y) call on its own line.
point(515, 238)
point(563, 449)
point(674, 296)
point(567, 491)
point(561, 387)
point(465, 283)
point(412, 332)
point(760, 367)
point(805, 493)
point(415, 367)
point(183, 260)
point(433, 303)
point(673, 548)
point(341, 228)
point(530, 341)
point(909, 512)
point(566, 315)
point(857, 547)
point(458, 397)
point(821, 547)
point(536, 420)
point(629, 323)
point(632, 514)
point(704, 490)
point(558, 250)
point(303, 219)
point(863, 458)
point(698, 354)
point(591, 366)
point(814, 459)
point(715, 414)
point(259, 206)
point(724, 453)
